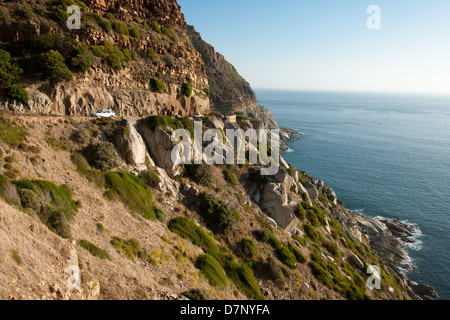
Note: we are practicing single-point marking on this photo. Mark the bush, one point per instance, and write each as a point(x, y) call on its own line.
point(54, 67)
point(196, 295)
point(129, 248)
point(248, 248)
point(212, 270)
point(218, 216)
point(311, 232)
point(82, 136)
point(82, 57)
point(161, 215)
point(274, 271)
point(186, 89)
point(287, 257)
point(332, 248)
point(127, 188)
point(150, 178)
point(157, 85)
point(103, 23)
point(121, 28)
point(187, 229)
point(207, 92)
point(262, 235)
point(230, 178)
point(297, 253)
point(94, 250)
point(300, 212)
point(149, 53)
point(18, 92)
point(83, 167)
point(103, 156)
point(155, 26)
point(12, 134)
point(199, 173)
point(244, 279)
point(53, 205)
point(274, 242)
point(115, 61)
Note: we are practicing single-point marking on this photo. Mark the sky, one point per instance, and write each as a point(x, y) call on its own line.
point(327, 45)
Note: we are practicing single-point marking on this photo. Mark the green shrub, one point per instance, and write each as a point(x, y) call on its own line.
point(212, 270)
point(102, 22)
point(54, 67)
point(53, 205)
point(299, 239)
point(129, 248)
point(196, 295)
point(287, 257)
point(102, 156)
point(274, 242)
point(187, 229)
point(82, 57)
point(18, 92)
point(218, 216)
point(115, 61)
point(127, 188)
point(161, 215)
point(297, 253)
point(121, 28)
point(274, 271)
point(186, 89)
point(83, 167)
point(56, 144)
point(230, 178)
point(94, 250)
point(155, 26)
point(300, 212)
point(262, 235)
point(82, 136)
point(321, 274)
point(149, 53)
point(199, 173)
point(244, 279)
point(12, 134)
point(150, 178)
point(332, 248)
point(207, 92)
point(166, 31)
point(248, 248)
point(157, 85)
point(311, 232)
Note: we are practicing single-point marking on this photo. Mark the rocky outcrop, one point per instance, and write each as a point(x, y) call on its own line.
point(229, 91)
point(160, 146)
point(131, 146)
point(275, 200)
point(165, 12)
point(262, 118)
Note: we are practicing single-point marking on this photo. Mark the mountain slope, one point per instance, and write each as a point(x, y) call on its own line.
point(229, 91)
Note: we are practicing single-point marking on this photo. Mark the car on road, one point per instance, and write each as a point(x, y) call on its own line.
point(104, 114)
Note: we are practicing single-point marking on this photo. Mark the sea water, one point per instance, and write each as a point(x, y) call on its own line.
point(385, 156)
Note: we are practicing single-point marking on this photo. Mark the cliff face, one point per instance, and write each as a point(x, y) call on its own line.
point(128, 43)
point(229, 91)
point(165, 12)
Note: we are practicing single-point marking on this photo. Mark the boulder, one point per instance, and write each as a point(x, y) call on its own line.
point(131, 146)
point(160, 146)
point(312, 191)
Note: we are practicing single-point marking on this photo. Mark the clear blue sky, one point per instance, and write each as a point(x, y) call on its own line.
point(326, 45)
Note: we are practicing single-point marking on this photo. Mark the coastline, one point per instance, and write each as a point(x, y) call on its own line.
point(388, 238)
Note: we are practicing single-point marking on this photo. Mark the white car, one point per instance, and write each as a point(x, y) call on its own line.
point(104, 114)
point(197, 116)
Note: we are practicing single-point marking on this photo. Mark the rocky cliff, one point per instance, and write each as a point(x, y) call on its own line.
point(229, 91)
point(109, 63)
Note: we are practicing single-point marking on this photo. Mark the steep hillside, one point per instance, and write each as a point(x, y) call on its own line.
point(130, 56)
point(229, 91)
point(98, 195)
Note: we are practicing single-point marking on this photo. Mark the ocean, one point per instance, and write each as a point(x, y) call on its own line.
point(385, 155)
